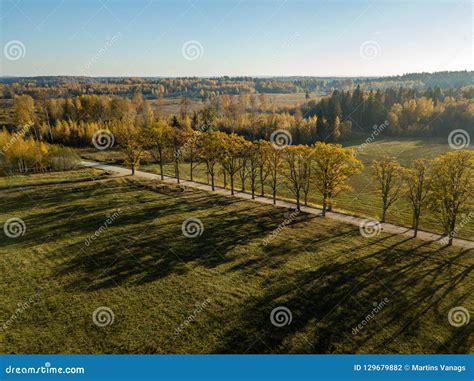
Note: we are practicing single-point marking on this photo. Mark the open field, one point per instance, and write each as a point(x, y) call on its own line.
point(362, 201)
point(215, 293)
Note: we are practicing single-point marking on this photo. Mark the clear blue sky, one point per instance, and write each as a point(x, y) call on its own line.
point(260, 37)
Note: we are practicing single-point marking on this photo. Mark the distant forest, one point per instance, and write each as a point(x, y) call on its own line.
point(206, 88)
point(69, 110)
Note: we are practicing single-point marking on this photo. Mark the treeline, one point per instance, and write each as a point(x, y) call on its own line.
point(444, 185)
point(341, 116)
point(433, 112)
point(206, 88)
point(25, 155)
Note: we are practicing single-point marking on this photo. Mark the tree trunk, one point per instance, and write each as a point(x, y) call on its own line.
point(384, 212)
point(274, 196)
point(191, 167)
point(176, 170)
point(133, 169)
point(452, 226)
point(212, 181)
point(231, 184)
point(160, 153)
point(323, 213)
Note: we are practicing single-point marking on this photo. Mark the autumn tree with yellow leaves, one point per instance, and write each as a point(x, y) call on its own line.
point(452, 188)
point(332, 166)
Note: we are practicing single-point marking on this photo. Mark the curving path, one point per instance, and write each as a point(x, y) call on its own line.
point(385, 227)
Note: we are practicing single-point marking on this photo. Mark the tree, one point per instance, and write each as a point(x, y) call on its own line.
point(416, 178)
point(296, 158)
point(157, 138)
point(253, 154)
point(452, 186)
point(333, 165)
point(264, 149)
point(233, 146)
point(132, 140)
point(209, 146)
point(176, 139)
point(275, 165)
point(389, 179)
point(24, 106)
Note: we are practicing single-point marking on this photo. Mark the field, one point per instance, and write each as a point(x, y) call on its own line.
point(363, 200)
point(214, 293)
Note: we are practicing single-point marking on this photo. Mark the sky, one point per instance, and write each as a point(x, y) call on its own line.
point(234, 37)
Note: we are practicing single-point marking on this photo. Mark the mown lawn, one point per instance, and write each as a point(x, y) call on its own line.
point(363, 200)
point(215, 293)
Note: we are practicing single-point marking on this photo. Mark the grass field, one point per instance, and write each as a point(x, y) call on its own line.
point(363, 200)
point(215, 293)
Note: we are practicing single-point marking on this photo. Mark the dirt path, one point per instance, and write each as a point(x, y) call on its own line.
point(385, 227)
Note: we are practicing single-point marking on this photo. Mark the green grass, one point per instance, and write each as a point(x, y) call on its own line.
point(153, 277)
point(363, 200)
point(50, 178)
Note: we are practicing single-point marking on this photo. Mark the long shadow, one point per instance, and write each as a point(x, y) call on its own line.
point(329, 302)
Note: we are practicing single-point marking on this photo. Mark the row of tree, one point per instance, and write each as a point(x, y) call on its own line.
point(443, 185)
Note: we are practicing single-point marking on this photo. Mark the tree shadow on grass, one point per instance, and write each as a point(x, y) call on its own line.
point(148, 243)
point(329, 302)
